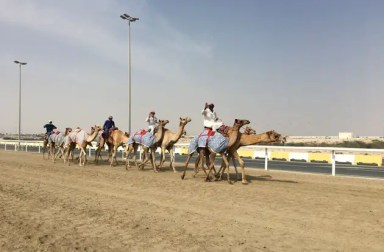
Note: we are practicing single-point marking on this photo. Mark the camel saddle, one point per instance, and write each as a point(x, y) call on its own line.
point(208, 135)
point(223, 129)
point(141, 133)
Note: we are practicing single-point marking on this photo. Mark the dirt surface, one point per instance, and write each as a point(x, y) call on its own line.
point(54, 207)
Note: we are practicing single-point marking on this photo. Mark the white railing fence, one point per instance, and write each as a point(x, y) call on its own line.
point(334, 151)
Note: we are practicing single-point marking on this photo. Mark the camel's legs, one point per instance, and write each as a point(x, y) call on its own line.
point(225, 159)
point(67, 154)
point(47, 150)
point(186, 165)
point(45, 145)
point(153, 161)
point(113, 158)
point(162, 158)
point(222, 168)
point(98, 150)
point(241, 163)
point(147, 157)
point(82, 156)
point(128, 150)
point(52, 149)
point(212, 157)
point(60, 150)
point(197, 163)
point(203, 155)
point(172, 158)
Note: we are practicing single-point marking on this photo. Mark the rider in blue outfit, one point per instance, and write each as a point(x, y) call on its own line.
point(49, 127)
point(108, 124)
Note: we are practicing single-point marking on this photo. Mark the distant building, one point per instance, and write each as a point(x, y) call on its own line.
point(345, 135)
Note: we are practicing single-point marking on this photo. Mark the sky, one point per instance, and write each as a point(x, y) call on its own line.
point(300, 67)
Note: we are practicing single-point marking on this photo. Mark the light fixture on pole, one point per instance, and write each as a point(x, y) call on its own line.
point(129, 19)
point(20, 64)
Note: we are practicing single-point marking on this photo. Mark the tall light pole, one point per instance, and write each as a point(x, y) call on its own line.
point(129, 19)
point(20, 64)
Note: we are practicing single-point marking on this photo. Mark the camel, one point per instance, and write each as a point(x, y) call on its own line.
point(249, 131)
point(233, 133)
point(245, 140)
point(169, 140)
point(45, 146)
point(116, 139)
point(80, 138)
point(204, 154)
point(148, 142)
point(101, 142)
point(57, 140)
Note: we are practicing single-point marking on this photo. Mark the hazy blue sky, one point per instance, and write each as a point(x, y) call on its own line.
point(301, 67)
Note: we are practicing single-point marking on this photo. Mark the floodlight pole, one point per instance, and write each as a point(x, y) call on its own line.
point(129, 19)
point(20, 64)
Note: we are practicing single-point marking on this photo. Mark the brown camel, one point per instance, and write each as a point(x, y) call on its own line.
point(82, 139)
point(233, 133)
point(169, 140)
point(132, 147)
point(46, 148)
point(101, 142)
point(116, 139)
point(249, 131)
point(204, 154)
point(245, 140)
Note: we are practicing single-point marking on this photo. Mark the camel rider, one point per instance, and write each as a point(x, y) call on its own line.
point(211, 121)
point(152, 121)
point(49, 127)
point(109, 124)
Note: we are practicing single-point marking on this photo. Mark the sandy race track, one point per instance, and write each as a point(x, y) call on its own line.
point(53, 207)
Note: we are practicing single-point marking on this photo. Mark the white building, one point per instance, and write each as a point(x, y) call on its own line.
point(345, 135)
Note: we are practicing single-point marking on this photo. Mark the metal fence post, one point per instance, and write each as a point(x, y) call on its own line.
point(266, 159)
point(333, 163)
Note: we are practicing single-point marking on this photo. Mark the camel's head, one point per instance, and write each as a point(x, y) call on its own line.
point(276, 137)
point(240, 122)
point(98, 127)
point(184, 120)
point(162, 123)
point(249, 131)
point(95, 128)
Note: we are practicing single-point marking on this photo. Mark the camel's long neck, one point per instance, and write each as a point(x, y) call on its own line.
point(175, 137)
point(159, 132)
point(254, 139)
point(233, 135)
point(91, 137)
